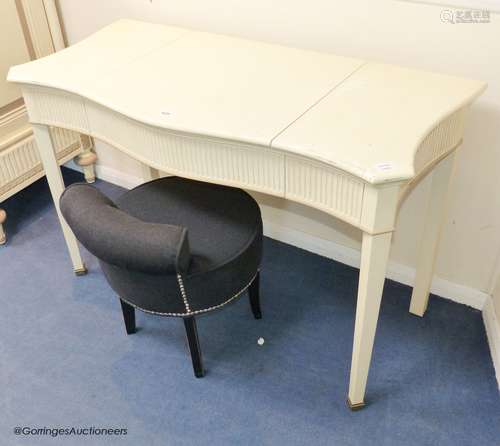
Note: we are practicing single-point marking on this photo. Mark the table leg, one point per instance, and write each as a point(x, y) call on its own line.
point(374, 257)
point(150, 173)
point(3, 217)
point(430, 239)
point(56, 185)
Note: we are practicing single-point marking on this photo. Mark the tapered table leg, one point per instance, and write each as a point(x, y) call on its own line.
point(56, 185)
point(149, 173)
point(430, 239)
point(374, 257)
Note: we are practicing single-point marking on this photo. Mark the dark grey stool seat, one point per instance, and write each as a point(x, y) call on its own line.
point(173, 247)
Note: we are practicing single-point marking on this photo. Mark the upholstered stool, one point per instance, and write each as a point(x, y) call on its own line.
point(172, 247)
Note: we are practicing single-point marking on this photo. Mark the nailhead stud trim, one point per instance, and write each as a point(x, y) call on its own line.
point(183, 293)
point(192, 313)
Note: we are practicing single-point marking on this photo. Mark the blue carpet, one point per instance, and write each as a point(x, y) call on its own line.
point(65, 359)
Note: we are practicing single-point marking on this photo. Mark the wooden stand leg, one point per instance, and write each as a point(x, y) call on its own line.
point(3, 236)
point(87, 159)
point(374, 257)
point(89, 173)
point(253, 294)
point(430, 239)
point(56, 184)
point(194, 346)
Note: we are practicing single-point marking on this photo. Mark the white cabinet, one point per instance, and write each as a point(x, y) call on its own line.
point(32, 30)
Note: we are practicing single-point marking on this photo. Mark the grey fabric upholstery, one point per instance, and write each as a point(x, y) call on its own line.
point(120, 239)
point(224, 251)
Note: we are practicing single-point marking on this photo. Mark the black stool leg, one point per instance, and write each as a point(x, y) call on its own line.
point(253, 293)
point(128, 316)
point(194, 346)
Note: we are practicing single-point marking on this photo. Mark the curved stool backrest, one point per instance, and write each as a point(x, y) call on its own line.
point(119, 239)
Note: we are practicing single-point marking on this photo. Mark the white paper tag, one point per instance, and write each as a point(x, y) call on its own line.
point(384, 166)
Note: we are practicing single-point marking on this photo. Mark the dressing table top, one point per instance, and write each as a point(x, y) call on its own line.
point(362, 117)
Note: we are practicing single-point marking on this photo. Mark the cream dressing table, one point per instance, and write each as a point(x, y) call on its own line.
point(342, 135)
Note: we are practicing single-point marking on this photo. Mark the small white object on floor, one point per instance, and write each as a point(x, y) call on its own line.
point(260, 341)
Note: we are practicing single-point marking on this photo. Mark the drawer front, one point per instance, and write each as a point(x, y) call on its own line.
point(324, 187)
point(207, 159)
point(55, 108)
point(440, 140)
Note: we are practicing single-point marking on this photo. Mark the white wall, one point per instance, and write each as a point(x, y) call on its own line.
point(16, 52)
point(389, 31)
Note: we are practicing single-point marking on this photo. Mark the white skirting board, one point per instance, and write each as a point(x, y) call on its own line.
point(492, 324)
point(327, 248)
point(112, 176)
point(395, 271)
